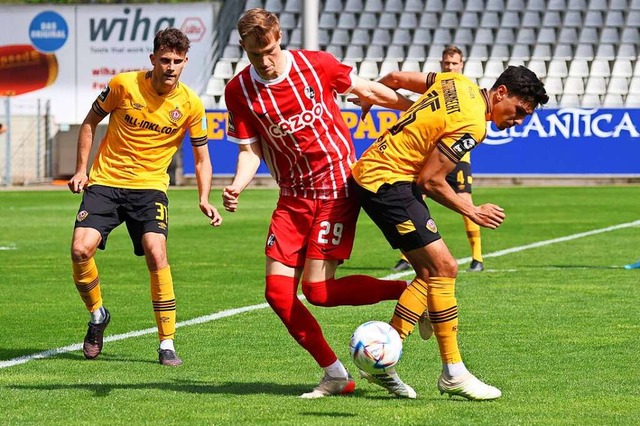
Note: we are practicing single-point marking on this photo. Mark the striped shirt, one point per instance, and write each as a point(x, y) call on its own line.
point(305, 142)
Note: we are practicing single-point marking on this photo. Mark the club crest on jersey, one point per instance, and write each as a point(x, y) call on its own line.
point(271, 240)
point(463, 145)
point(309, 92)
point(175, 115)
point(82, 215)
point(136, 106)
point(296, 122)
point(431, 226)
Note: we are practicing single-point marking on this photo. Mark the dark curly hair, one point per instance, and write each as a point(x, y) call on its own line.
point(171, 39)
point(523, 83)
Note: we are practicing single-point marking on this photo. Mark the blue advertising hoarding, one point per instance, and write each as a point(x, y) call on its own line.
point(575, 141)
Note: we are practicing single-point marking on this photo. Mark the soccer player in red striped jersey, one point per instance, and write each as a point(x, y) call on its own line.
point(282, 108)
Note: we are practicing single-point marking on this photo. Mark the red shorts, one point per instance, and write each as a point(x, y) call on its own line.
point(316, 229)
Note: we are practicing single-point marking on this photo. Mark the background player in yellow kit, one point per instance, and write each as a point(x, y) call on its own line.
point(150, 112)
point(460, 178)
point(413, 158)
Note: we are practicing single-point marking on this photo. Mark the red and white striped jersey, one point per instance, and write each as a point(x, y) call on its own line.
point(305, 142)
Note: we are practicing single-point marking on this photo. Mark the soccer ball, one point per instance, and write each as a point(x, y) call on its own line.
point(375, 347)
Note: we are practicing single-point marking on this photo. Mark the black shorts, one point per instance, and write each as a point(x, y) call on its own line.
point(460, 179)
point(103, 208)
point(401, 214)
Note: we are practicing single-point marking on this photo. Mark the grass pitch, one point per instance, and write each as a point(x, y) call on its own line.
point(554, 326)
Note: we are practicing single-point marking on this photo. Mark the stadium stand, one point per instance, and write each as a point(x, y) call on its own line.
point(585, 50)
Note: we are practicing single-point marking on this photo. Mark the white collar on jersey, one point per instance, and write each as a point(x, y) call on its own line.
point(287, 69)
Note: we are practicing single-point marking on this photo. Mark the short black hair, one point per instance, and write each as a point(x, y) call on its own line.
point(523, 83)
point(171, 39)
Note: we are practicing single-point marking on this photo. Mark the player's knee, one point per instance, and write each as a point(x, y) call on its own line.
point(80, 252)
point(445, 267)
point(318, 293)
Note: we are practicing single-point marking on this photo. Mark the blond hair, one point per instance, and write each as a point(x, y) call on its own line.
point(258, 24)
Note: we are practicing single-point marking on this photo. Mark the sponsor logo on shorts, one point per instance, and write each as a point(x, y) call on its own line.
point(271, 240)
point(431, 226)
point(162, 226)
point(82, 215)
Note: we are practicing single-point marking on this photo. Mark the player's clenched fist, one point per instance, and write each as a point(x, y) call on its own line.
point(230, 196)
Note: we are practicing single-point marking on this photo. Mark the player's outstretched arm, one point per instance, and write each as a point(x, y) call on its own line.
point(86, 135)
point(374, 93)
point(249, 158)
point(204, 172)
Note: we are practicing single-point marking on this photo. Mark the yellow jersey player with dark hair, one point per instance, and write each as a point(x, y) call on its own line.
point(150, 112)
point(413, 158)
point(460, 178)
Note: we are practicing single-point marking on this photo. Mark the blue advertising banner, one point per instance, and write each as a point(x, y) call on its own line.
point(574, 141)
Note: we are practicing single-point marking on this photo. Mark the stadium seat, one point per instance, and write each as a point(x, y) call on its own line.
point(368, 69)
point(495, 5)
point(431, 65)
point(394, 6)
point(288, 21)
point(538, 66)
point(593, 18)
point(463, 36)
point(340, 37)
point(361, 37)
point(510, 19)
point(573, 19)
point(618, 5)
point(563, 51)
point(618, 86)
point(493, 68)
point(215, 86)
point(411, 66)
point(634, 5)
point(240, 65)
point(521, 52)
point(434, 6)
point(526, 36)
point(613, 100)
point(337, 51)
point(469, 20)
point(449, 20)
point(484, 36)
point(232, 52)
point(401, 36)
point(435, 51)
point(577, 5)
point(634, 86)
point(551, 19)
point(347, 21)
point(568, 35)
point(473, 68)
point(606, 51)
point(588, 35)
point(422, 37)
point(614, 19)
point(598, 5)
point(381, 37)
point(479, 51)
point(570, 100)
point(414, 6)
point(627, 51)
point(557, 5)
point(388, 21)
point(531, 19)
point(368, 20)
point(515, 5)
point(251, 4)
point(416, 52)
point(333, 6)
point(354, 6)
point(622, 67)
point(486, 82)
point(355, 53)
point(292, 6)
point(388, 66)
point(558, 68)
point(373, 6)
point(209, 102)
point(591, 101)
point(490, 20)
point(600, 68)
point(542, 51)
point(375, 52)
point(396, 52)
point(584, 51)
point(553, 85)
point(223, 69)
point(547, 35)
point(274, 6)
point(458, 5)
point(429, 20)
point(596, 86)
point(328, 20)
point(408, 20)
point(442, 36)
point(574, 86)
point(505, 36)
point(500, 52)
point(579, 68)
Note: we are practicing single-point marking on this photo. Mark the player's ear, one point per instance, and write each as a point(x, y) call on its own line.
point(152, 58)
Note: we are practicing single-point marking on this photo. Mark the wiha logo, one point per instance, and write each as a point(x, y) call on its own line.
point(128, 28)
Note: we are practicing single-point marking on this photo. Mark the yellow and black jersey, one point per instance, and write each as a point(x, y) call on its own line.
point(450, 116)
point(145, 130)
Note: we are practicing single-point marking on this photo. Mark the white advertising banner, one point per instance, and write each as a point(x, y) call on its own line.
point(69, 53)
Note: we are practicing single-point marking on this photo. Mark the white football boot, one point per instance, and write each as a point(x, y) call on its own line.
point(331, 386)
point(467, 386)
point(391, 382)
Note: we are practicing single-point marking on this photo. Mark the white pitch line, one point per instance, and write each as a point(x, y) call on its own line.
point(236, 311)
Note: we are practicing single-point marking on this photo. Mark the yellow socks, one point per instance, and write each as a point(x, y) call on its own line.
point(85, 276)
point(410, 306)
point(473, 235)
point(164, 302)
point(443, 313)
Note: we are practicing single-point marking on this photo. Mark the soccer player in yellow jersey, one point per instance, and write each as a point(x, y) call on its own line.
point(413, 158)
point(150, 112)
point(460, 178)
